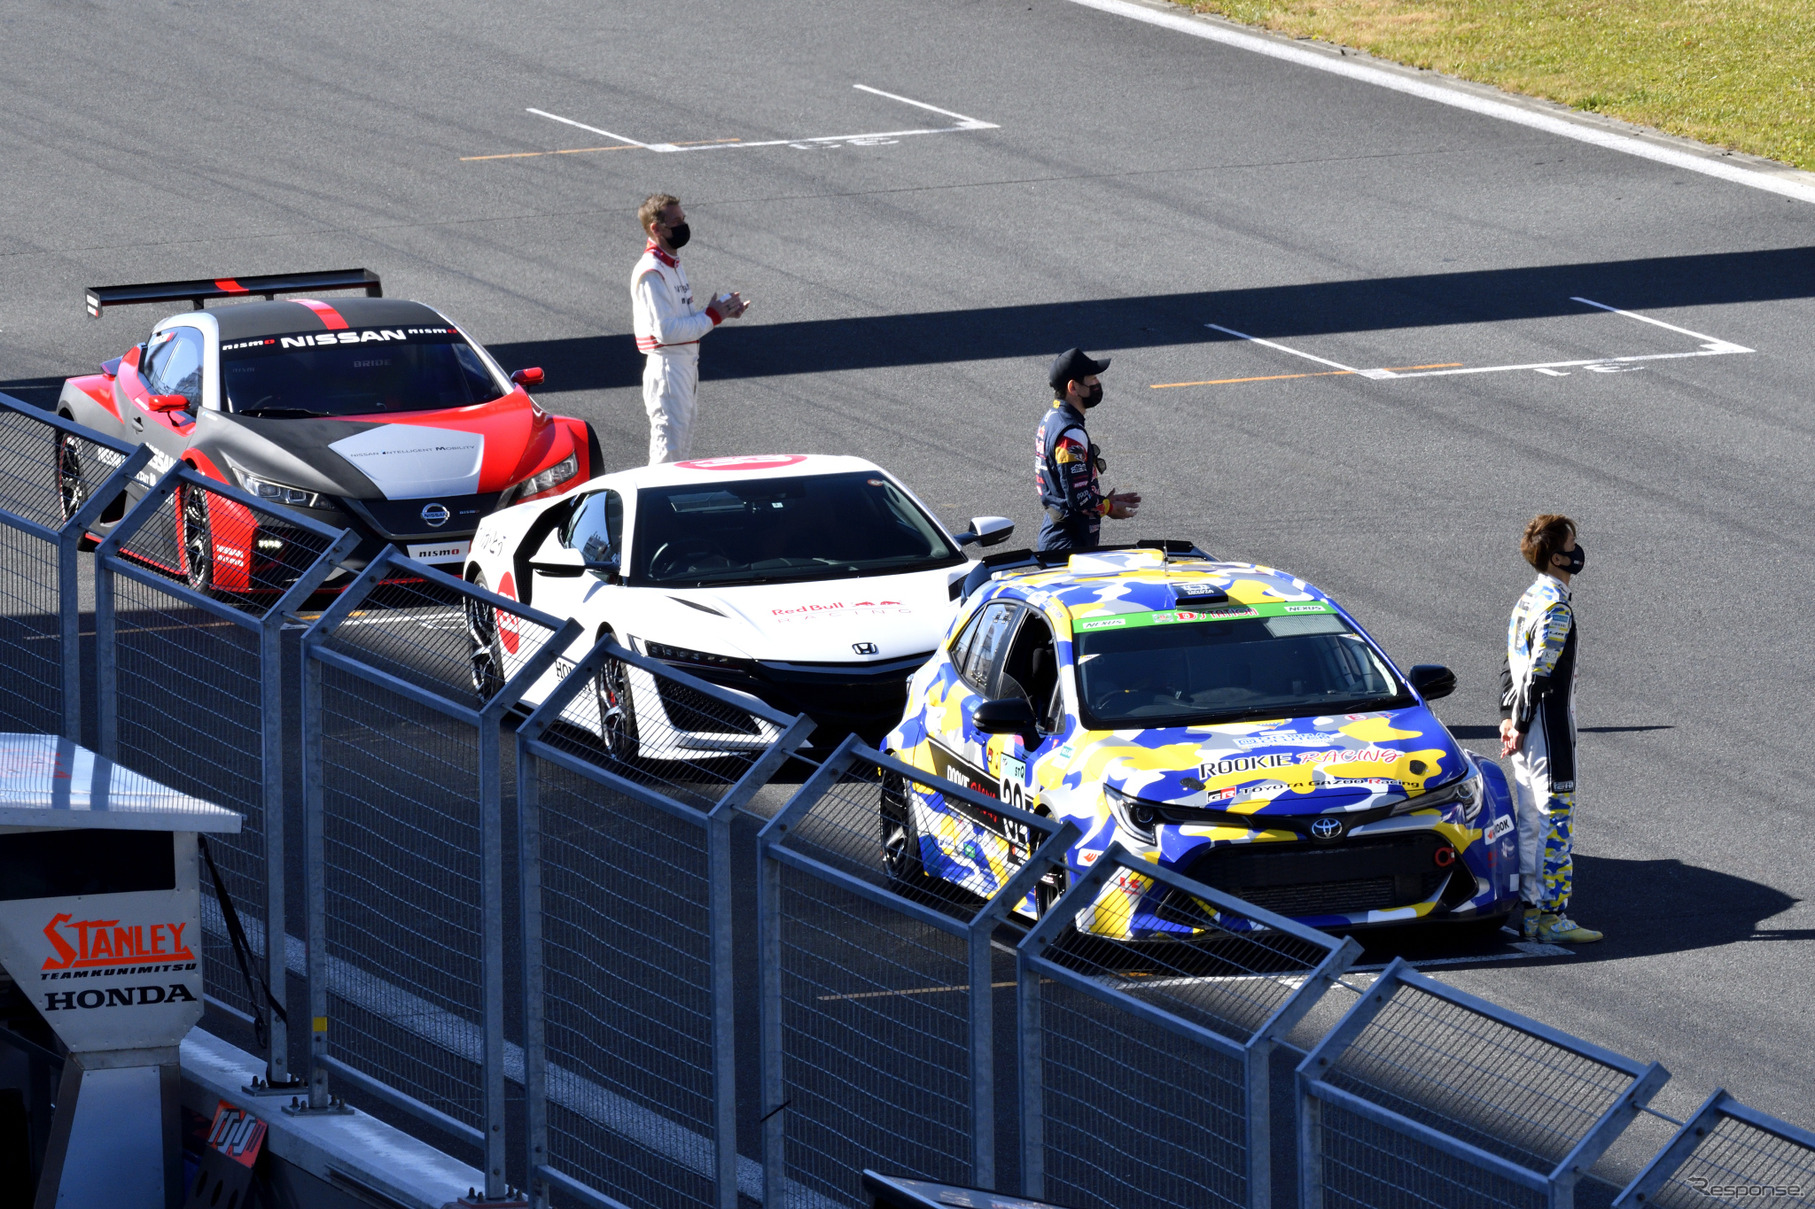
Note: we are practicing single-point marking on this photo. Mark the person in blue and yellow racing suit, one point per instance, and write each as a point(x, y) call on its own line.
point(1538, 728)
point(1066, 463)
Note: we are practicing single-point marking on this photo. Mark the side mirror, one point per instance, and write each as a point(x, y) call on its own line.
point(527, 377)
point(1009, 716)
point(167, 403)
point(986, 531)
point(1432, 680)
point(595, 555)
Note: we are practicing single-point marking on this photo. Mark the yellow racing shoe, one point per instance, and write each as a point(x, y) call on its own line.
point(1561, 930)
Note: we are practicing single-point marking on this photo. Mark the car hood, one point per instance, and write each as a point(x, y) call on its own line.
point(1296, 766)
point(406, 455)
point(824, 621)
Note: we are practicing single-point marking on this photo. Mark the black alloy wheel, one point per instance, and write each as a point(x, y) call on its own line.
point(617, 707)
point(1049, 889)
point(485, 653)
point(72, 483)
point(198, 538)
point(901, 856)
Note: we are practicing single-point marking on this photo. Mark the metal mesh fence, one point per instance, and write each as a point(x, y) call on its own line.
point(188, 714)
point(31, 649)
point(401, 848)
point(626, 951)
point(1739, 1164)
point(875, 1024)
point(46, 474)
point(189, 698)
point(1368, 1166)
point(1134, 1113)
point(876, 1002)
point(641, 721)
point(1523, 1098)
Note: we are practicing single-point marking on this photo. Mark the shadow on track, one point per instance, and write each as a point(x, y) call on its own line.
point(1039, 329)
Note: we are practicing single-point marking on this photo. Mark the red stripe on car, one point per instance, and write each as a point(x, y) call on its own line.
point(230, 286)
point(330, 318)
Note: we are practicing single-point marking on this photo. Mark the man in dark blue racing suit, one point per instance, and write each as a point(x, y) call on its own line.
point(1066, 463)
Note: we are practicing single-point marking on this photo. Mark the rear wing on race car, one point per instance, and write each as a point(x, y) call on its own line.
point(100, 297)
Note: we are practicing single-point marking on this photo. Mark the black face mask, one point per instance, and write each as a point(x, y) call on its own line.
point(1093, 398)
point(1578, 558)
point(678, 235)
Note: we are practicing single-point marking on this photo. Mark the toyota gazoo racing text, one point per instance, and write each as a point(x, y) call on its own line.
point(375, 415)
point(1225, 720)
point(814, 584)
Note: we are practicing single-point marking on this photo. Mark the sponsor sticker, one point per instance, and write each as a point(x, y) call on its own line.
point(1286, 738)
point(1233, 611)
point(1222, 768)
point(773, 461)
point(1500, 826)
point(236, 1133)
point(437, 552)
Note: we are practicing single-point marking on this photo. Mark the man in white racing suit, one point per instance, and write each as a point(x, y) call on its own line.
point(1538, 729)
point(669, 327)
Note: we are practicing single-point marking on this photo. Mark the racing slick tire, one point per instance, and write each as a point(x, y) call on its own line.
point(901, 853)
point(485, 650)
point(195, 537)
point(617, 707)
point(72, 483)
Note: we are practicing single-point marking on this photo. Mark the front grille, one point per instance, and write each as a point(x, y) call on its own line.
point(399, 519)
point(841, 698)
point(690, 709)
point(1373, 874)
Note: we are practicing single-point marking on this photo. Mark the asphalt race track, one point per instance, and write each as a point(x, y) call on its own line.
point(927, 200)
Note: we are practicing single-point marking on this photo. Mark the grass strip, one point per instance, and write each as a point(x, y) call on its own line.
point(1736, 73)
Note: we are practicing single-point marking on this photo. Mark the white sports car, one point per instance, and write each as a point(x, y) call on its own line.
point(816, 584)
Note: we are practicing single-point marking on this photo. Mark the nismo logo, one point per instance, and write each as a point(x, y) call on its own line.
point(370, 336)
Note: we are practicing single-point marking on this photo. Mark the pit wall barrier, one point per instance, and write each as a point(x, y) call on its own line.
point(518, 918)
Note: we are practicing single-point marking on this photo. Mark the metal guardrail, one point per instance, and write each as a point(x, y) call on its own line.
point(193, 589)
point(1145, 1073)
point(1140, 1067)
point(1728, 1154)
point(1422, 1092)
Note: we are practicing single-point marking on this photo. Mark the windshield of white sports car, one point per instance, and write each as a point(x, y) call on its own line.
point(1226, 662)
point(356, 372)
point(822, 526)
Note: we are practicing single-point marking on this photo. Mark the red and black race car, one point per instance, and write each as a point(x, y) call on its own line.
point(371, 414)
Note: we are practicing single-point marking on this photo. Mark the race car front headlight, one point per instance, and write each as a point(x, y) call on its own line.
point(1465, 792)
point(1136, 817)
point(553, 477)
point(277, 493)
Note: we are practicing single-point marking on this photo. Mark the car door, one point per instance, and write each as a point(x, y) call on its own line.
point(957, 746)
point(172, 365)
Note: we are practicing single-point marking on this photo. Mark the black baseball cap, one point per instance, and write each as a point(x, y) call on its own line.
point(1073, 365)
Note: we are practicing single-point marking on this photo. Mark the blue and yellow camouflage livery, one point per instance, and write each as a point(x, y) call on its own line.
point(1223, 719)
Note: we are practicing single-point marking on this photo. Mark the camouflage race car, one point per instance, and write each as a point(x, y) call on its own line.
point(1222, 719)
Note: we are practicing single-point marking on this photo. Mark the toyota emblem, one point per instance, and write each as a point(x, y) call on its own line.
point(1326, 829)
point(864, 648)
point(436, 515)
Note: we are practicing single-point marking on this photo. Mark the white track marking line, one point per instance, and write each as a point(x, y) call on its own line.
point(1711, 342)
point(555, 117)
point(964, 123)
point(1347, 369)
point(1381, 77)
point(967, 123)
point(1541, 366)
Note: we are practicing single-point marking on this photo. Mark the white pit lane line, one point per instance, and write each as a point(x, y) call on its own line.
point(1711, 346)
point(824, 140)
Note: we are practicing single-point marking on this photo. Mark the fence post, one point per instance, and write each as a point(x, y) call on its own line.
point(69, 591)
point(724, 1031)
point(529, 892)
point(1030, 1059)
point(1310, 1145)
